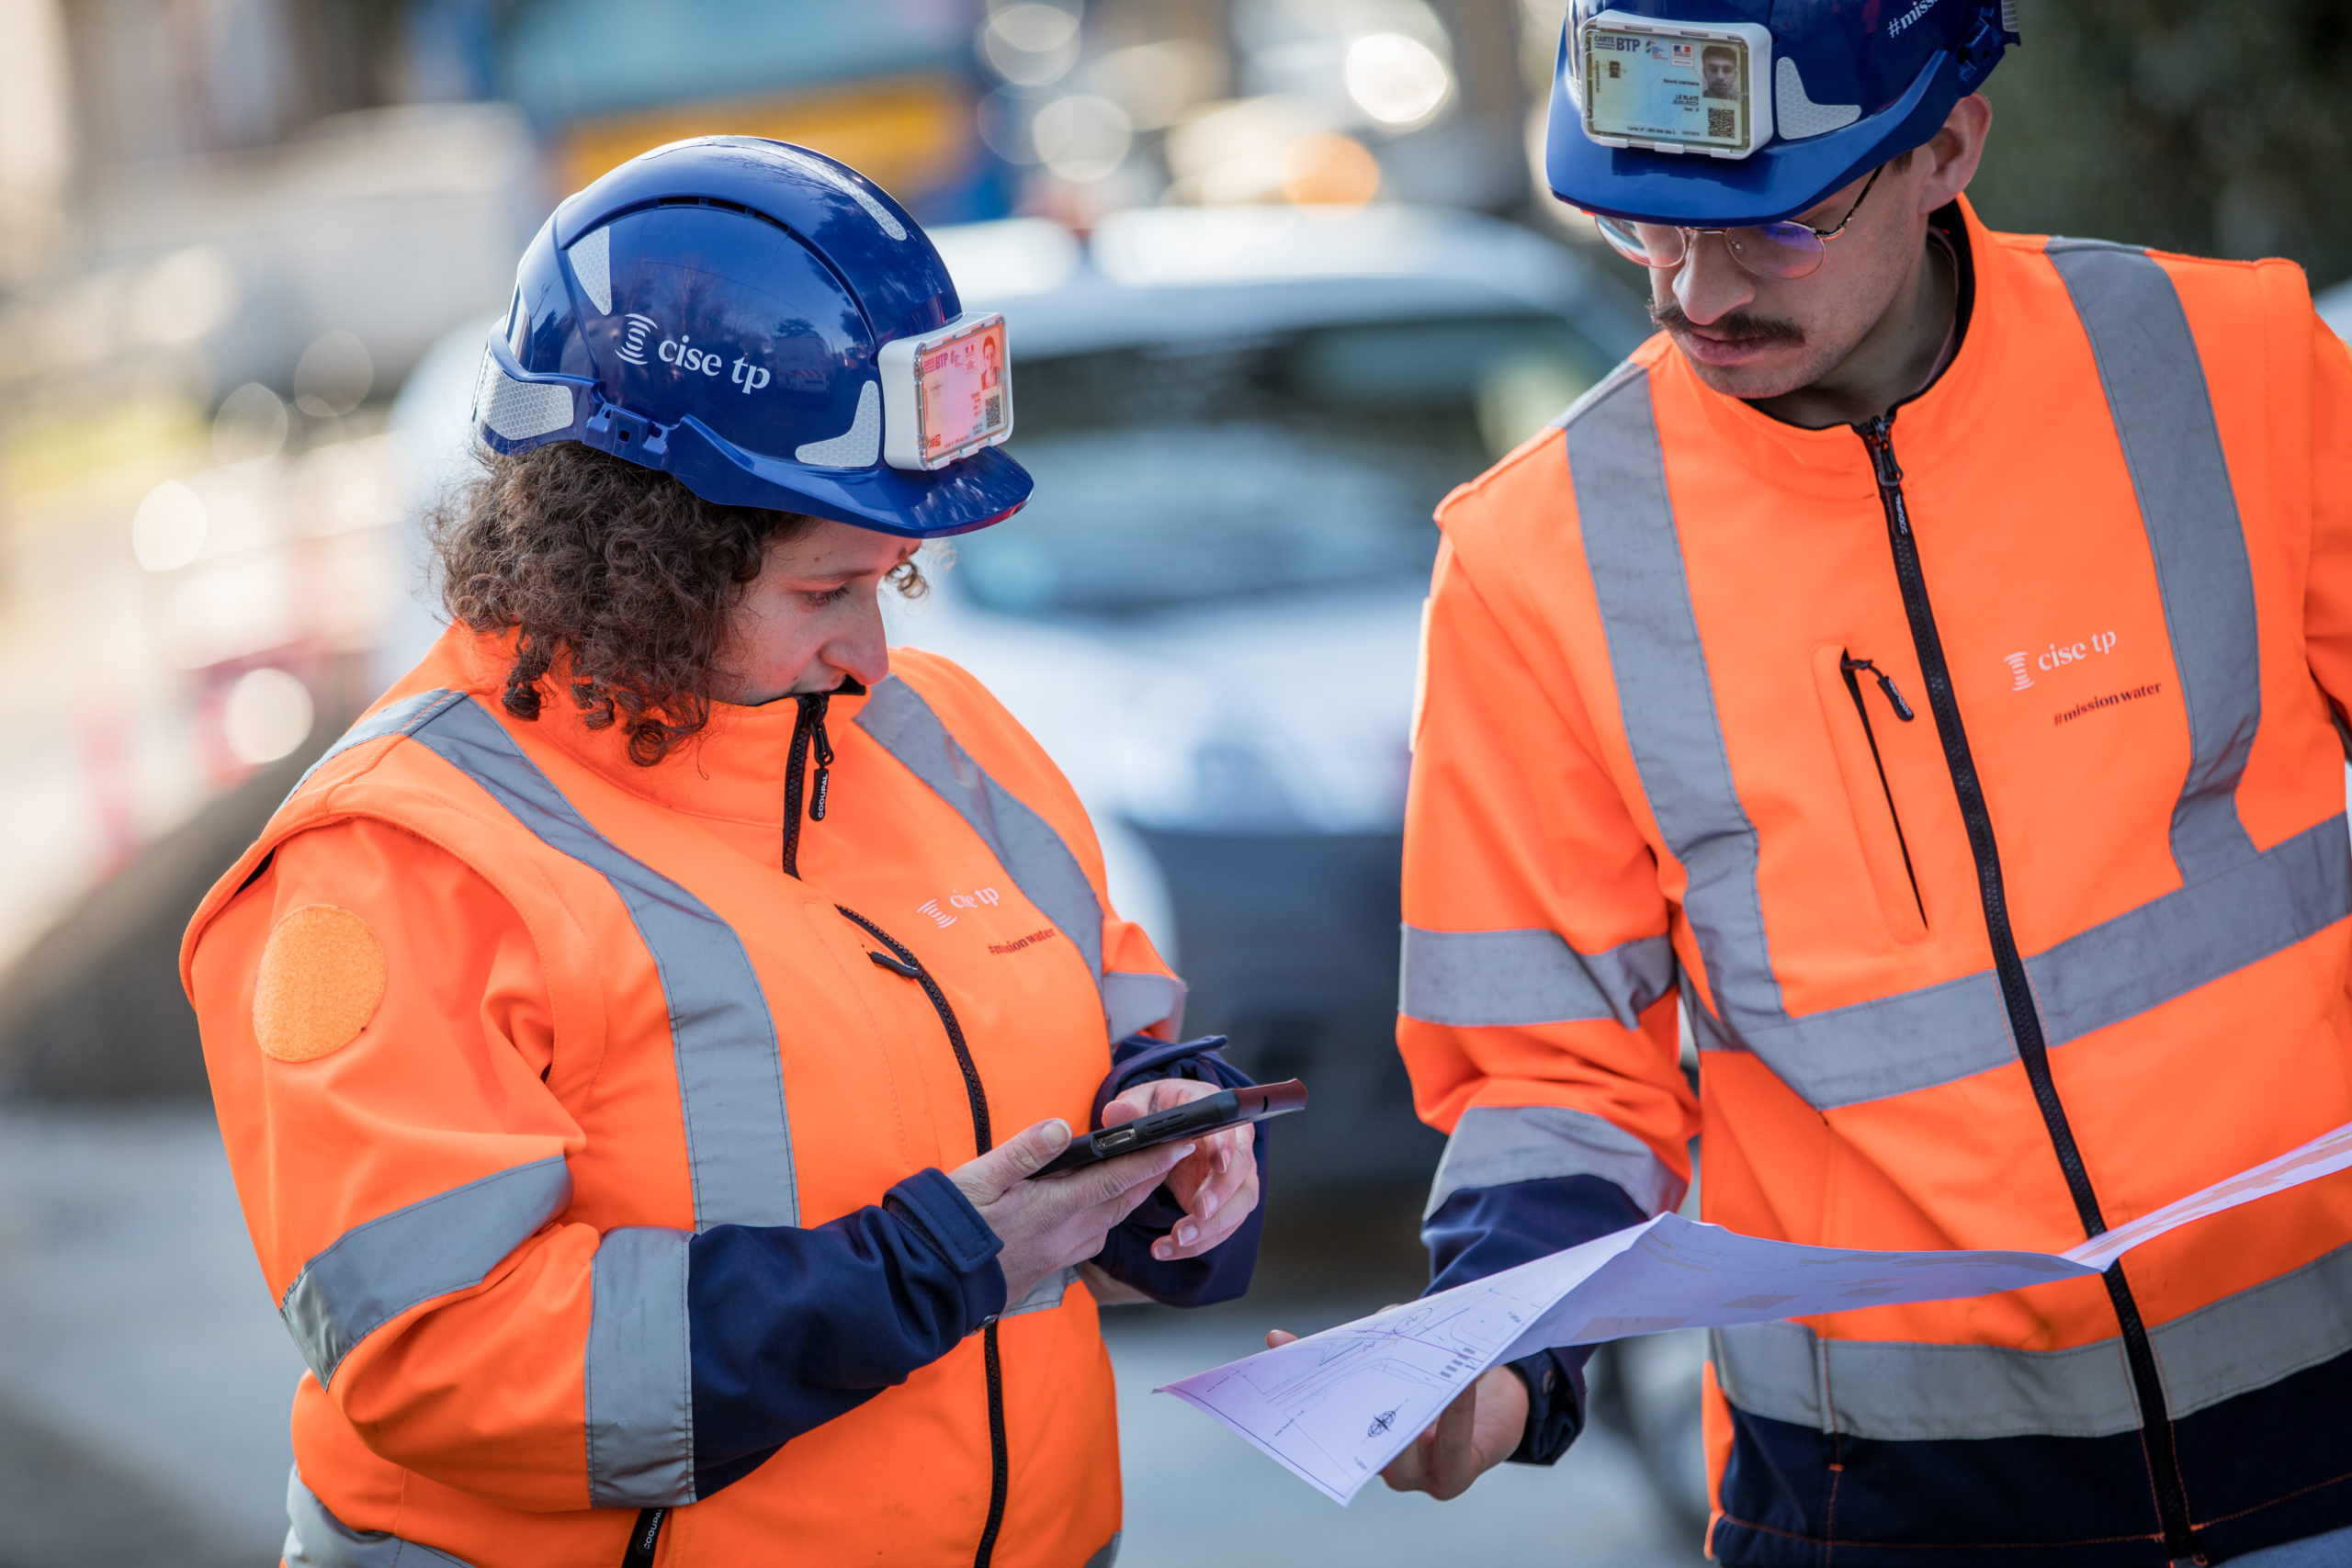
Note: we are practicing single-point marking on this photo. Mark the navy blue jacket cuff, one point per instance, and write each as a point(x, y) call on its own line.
point(791, 1327)
point(1479, 1231)
point(1222, 1273)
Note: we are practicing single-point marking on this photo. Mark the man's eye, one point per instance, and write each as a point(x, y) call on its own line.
point(827, 598)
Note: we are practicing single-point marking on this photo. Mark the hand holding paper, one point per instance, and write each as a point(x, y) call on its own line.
point(1336, 1407)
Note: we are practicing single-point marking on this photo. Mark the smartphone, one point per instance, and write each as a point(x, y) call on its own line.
point(1210, 1113)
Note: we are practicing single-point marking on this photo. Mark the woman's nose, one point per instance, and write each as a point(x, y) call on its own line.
point(861, 649)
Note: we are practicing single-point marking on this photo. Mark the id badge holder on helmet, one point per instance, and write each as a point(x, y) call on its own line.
point(1669, 86)
point(946, 394)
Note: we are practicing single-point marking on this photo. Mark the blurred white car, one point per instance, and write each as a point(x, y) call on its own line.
point(1239, 420)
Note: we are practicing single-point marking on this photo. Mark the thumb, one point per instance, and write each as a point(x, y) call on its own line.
point(1276, 1339)
point(1005, 1166)
point(1028, 1151)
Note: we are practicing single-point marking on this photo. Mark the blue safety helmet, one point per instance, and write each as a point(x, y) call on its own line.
point(1850, 84)
point(715, 309)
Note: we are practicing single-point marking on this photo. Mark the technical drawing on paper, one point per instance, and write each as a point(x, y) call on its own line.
point(1314, 1403)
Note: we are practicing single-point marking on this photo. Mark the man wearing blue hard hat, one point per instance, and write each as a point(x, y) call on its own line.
point(1918, 673)
point(635, 1038)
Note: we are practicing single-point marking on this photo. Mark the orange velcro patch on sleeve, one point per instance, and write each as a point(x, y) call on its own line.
point(322, 978)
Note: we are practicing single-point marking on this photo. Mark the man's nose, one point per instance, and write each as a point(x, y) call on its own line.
point(1709, 285)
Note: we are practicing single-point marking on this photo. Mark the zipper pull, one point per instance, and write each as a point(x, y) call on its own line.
point(1885, 683)
point(896, 965)
point(824, 765)
point(1878, 435)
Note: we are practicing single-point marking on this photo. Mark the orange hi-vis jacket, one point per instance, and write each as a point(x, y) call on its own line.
point(499, 1024)
point(1970, 782)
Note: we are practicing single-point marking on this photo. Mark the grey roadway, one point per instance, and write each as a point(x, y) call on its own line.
point(144, 1384)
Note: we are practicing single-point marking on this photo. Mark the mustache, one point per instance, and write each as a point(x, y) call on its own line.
point(1738, 327)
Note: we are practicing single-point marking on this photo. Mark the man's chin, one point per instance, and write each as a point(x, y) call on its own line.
point(1763, 370)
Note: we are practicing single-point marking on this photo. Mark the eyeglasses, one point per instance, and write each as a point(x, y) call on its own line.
point(1783, 250)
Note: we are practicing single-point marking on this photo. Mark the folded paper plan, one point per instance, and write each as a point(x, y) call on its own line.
point(1334, 1409)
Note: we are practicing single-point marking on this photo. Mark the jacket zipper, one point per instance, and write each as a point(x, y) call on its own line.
point(900, 960)
point(1847, 666)
point(2017, 996)
point(808, 728)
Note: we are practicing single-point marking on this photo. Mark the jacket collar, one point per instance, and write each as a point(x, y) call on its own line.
point(1830, 464)
point(733, 772)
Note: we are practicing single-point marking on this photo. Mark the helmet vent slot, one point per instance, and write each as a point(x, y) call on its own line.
point(723, 205)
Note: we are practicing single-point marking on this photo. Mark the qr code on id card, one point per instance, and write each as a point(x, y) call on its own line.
point(1723, 122)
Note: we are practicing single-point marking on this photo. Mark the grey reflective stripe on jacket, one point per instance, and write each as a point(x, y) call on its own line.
point(1904, 1391)
point(1037, 858)
point(1667, 700)
point(730, 1086)
point(398, 718)
point(1045, 1295)
point(1476, 978)
point(1025, 843)
point(636, 1365)
point(639, 1372)
point(2103, 975)
point(440, 1244)
point(2235, 906)
point(1135, 1000)
point(1493, 1146)
point(2164, 418)
point(316, 1539)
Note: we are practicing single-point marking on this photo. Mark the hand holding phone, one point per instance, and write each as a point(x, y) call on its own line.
point(1198, 1118)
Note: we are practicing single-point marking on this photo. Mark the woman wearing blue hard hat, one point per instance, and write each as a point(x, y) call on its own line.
point(634, 1038)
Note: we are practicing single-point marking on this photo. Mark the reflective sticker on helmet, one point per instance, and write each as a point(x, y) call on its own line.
point(519, 410)
point(856, 447)
point(592, 263)
point(322, 978)
point(1799, 116)
point(822, 170)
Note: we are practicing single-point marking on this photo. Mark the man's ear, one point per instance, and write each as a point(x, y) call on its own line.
point(1954, 152)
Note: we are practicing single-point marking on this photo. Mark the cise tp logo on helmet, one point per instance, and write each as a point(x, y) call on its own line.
point(642, 330)
point(639, 334)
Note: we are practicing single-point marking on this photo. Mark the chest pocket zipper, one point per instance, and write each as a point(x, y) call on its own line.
point(1886, 853)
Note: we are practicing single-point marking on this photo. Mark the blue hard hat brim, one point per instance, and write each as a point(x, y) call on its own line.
point(969, 493)
point(1779, 181)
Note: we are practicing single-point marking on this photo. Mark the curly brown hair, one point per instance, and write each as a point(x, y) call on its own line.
point(618, 580)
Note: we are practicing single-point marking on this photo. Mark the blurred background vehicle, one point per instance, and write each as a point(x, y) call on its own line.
point(1279, 275)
